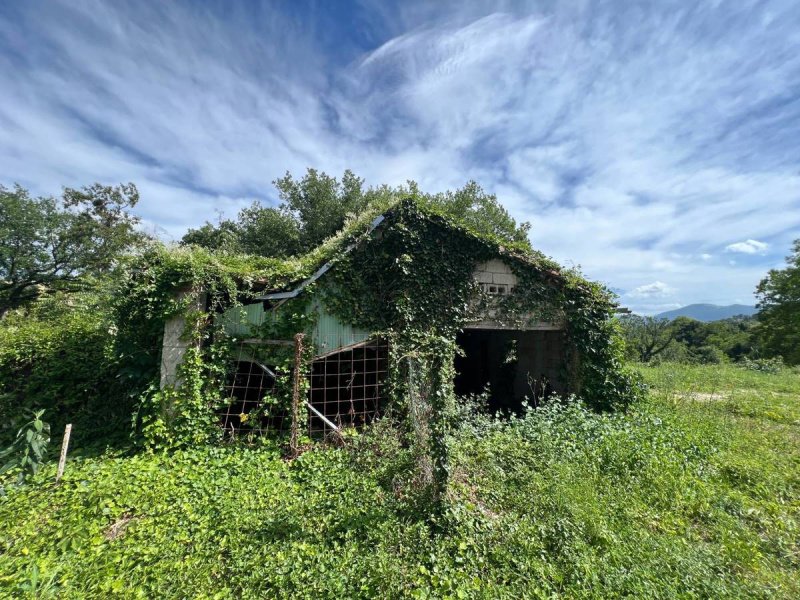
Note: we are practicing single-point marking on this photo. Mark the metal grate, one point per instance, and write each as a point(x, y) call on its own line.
point(250, 404)
point(348, 386)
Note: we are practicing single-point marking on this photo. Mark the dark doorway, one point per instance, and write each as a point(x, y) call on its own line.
point(512, 364)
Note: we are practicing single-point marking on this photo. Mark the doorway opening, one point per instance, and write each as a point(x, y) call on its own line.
point(513, 365)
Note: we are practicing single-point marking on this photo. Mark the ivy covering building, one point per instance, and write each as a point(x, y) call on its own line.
point(401, 313)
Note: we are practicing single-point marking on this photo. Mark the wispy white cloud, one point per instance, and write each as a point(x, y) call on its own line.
point(748, 247)
point(636, 140)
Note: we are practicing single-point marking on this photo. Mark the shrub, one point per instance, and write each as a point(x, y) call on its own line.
point(59, 357)
point(763, 365)
point(708, 355)
point(28, 451)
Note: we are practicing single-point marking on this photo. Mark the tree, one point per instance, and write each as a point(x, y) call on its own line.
point(317, 206)
point(646, 337)
point(320, 203)
point(474, 208)
point(48, 244)
point(778, 295)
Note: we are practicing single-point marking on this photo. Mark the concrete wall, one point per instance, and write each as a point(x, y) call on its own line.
point(495, 273)
point(175, 344)
point(497, 279)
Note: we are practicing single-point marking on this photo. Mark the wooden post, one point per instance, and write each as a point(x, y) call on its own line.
point(62, 461)
point(298, 359)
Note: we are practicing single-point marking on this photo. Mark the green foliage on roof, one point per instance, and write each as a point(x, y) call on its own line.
point(316, 206)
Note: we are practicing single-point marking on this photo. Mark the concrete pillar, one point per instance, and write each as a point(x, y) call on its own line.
point(176, 341)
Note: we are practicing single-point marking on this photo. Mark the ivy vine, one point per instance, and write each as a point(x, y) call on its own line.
point(409, 280)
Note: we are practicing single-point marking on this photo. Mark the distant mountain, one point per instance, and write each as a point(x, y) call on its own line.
point(709, 312)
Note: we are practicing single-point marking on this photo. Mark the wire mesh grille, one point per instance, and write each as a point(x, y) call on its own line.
point(345, 386)
point(250, 401)
point(348, 386)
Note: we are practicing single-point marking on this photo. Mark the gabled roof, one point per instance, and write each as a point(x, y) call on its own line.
point(359, 229)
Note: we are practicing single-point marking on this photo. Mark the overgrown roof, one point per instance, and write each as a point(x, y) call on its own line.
point(256, 276)
point(314, 264)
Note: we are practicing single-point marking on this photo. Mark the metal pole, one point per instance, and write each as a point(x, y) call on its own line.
point(298, 357)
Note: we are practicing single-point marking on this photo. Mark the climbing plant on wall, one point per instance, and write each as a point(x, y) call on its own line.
point(413, 283)
point(409, 280)
point(164, 283)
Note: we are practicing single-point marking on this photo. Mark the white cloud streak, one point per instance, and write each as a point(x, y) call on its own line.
point(639, 142)
point(651, 291)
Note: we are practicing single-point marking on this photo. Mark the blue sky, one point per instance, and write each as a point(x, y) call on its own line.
point(656, 145)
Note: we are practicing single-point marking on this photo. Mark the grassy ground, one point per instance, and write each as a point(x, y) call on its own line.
point(696, 493)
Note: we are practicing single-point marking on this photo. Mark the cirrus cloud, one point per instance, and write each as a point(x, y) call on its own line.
point(638, 139)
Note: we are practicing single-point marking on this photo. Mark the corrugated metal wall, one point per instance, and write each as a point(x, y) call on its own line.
point(328, 334)
point(239, 320)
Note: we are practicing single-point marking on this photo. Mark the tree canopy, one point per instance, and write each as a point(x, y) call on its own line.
point(316, 206)
point(688, 340)
point(49, 244)
point(779, 315)
point(646, 337)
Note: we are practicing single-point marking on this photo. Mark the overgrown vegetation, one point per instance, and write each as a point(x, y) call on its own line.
point(695, 493)
point(411, 283)
point(59, 356)
point(28, 451)
point(692, 492)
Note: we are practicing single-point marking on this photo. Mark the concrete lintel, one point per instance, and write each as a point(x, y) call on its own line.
point(539, 326)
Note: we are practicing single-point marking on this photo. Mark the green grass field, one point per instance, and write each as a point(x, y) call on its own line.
point(695, 493)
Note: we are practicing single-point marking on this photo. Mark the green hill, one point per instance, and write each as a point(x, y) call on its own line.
point(709, 312)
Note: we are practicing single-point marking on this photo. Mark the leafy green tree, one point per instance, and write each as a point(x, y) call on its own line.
point(317, 206)
point(477, 210)
point(691, 332)
point(320, 203)
point(646, 337)
point(734, 336)
point(223, 236)
point(779, 314)
point(268, 231)
point(48, 244)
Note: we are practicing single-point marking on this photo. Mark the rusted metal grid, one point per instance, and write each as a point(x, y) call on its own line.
point(252, 396)
point(346, 385)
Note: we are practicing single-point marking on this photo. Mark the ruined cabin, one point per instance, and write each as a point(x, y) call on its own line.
point(406, 274)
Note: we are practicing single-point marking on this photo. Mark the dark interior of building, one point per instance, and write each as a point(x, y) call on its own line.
point(246, 389)
point(511, 364)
